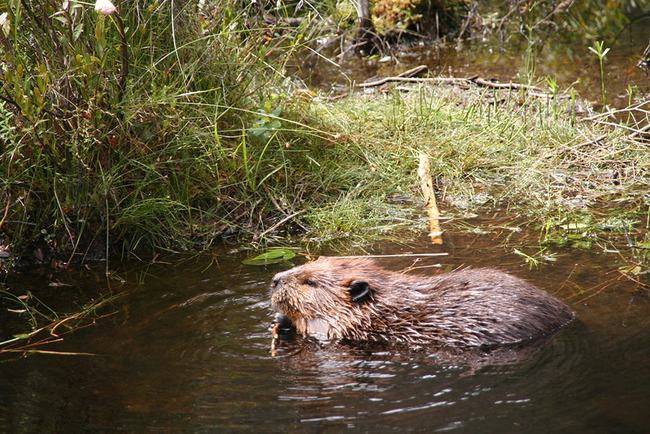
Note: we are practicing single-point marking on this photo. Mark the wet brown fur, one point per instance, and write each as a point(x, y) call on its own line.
point(465, 308)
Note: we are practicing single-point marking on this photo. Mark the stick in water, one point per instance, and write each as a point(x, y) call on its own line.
point(424, 172)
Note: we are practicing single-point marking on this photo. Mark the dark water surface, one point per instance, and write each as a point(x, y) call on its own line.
point(189, 351)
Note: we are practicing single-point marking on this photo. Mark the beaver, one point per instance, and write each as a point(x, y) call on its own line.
point(356, 300)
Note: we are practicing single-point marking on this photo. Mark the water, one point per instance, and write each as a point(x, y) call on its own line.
point(572, 65)
point(189, 350)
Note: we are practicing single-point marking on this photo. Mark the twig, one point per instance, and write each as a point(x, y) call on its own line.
point(613, 112)
point(509, 85)
point(406, 74)
point(124, 54)
point(57, 353)
point(399, 255)
point(6, 212)
point(424, 173)
point(533, 90)
point(63, 216)
point(280, 223)
point(451, 80)
point(639, 131)
point(590, 142)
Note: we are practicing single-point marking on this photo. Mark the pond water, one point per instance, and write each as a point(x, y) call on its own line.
point(189, 350)
point(570, 63)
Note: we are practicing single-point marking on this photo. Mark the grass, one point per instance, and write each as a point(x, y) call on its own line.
point(526, 153)
point(198, 135)
point(165, 147)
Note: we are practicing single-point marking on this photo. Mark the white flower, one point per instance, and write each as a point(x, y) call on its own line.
point(65, 5)
point(105, 7)
point(5, 25)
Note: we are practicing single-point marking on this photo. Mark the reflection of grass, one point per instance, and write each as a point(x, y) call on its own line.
point(45, 325)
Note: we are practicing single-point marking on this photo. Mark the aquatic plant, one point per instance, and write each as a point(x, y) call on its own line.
point(42, 326)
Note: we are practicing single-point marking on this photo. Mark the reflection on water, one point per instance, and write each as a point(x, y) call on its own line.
point(189, 350)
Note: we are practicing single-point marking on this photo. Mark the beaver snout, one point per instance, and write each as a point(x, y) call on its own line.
point(283, 322)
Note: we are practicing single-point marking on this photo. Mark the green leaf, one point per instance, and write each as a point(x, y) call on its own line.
point(271, 256)
point(77, 32)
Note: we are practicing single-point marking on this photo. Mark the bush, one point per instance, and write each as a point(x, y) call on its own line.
point(153, 126)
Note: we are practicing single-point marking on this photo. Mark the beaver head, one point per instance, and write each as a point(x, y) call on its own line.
point(353, 299)
point(326, 297)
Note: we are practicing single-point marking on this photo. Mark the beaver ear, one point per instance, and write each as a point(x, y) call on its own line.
point(359, 291)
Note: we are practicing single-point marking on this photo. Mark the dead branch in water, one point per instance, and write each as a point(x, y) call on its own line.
point(33, 341)
point(424, 173)
point(409, 77)
point(56, 353)
point(411, 73)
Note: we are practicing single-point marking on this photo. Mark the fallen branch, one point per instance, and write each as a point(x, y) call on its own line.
point(56, 353)
point(406, 74)
point(451, 80)
point(632, 108)
point(408, 77)
point(640, 131)
point(497, 85)
point(280, 223)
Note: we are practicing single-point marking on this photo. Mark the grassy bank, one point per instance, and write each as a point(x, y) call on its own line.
point(150, 128)
point(580, 181)
point(166, 129)
point(170, 128)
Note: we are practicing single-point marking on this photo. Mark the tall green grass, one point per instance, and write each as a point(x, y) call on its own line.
point(164, 125)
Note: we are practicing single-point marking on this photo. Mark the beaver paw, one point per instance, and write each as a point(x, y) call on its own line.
point(282, 324)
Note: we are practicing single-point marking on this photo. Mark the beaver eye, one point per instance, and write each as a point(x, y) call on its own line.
point(309, 282)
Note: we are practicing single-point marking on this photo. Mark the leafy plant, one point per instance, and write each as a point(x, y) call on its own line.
point(600, 52)
point(274, 255)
